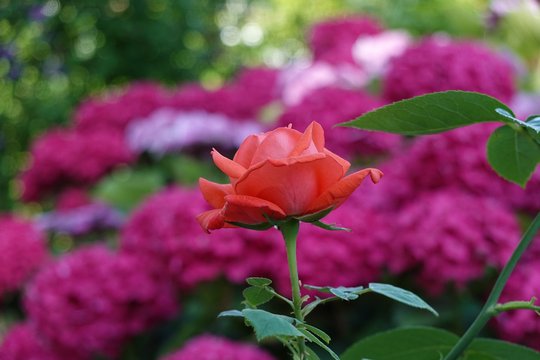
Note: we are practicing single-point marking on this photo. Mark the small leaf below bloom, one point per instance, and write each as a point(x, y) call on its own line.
point(235, 313)
point(256, 295)
point(258, 281)
point(401, 295)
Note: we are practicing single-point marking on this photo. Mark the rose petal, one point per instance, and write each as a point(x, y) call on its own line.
point(215, 193)
point(344, 163)
point(293, 183)
point(311, 141)
point(211, 220)
point(277, 144)
point(244, 155)
point(336, 194)
point(250, 210)
point(228, 166)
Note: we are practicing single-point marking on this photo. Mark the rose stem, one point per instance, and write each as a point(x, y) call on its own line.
point(487, 311)
point(289, 230)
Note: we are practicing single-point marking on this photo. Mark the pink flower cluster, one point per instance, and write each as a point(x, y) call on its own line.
point(164, 227)
point(330, 106)
point(115, 111)
point(455, 159)
point(521, 325)
point(211, 347)
point(242, 99)
point(92, 300)
point(61, 158)
point(438, 64)
point(22, 252)
point(450, 237)
point(332, 41)
point(22, 342)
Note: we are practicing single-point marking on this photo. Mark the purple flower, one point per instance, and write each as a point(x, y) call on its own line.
point(168, 130)
point(22, 251)
point(330, 106)
point(210, 347)
point(92, 300)
point(332, 41)
point(449, 237)
point(439, 64)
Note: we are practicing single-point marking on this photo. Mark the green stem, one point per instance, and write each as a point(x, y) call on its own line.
point(487, 311)
point(289, 230)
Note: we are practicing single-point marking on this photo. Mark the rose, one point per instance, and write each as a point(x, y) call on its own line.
point(276, 175)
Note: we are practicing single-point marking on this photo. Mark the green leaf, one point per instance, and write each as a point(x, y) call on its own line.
point(316, 340)
point(316, 216)
point(311, 355)
point(256, 295)
point(267, 324)
point(424, 343)
point(258, 227)
point(126, 188)
point(258, 281)
point(342, 292)
point(329, 226)
point(432, 113)
point(500, 350)
point(418, 343)
point(324, 336)
point(513, 154)
point(234, 313)
point(401, 295)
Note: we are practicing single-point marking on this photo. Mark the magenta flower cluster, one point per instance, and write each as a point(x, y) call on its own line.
point(92, 300)
point(448, 237)
point(211, 347)
point(22, 252)
point(439, 64)
point(63, 158)
point(332, 41)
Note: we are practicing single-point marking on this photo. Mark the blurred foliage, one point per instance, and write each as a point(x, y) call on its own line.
point(53, 54)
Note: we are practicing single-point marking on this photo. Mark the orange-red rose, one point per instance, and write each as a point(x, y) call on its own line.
point(279, 174)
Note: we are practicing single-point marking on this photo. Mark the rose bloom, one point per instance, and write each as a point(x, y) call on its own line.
point(279, 174)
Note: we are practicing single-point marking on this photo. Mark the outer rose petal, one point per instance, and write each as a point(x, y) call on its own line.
point(335, 195)
point(211, 220)
point(232, 169)
point(293, 183)
point(215, 193)
point(346, 165)
point(250, 210)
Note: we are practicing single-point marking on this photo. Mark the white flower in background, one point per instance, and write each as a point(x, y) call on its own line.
point(374, 52)
point(526, 104)
point(301, 78)
point(503, 7)
point(169, 130)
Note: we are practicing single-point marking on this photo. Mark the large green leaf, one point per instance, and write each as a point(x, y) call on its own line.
point(432, 113)
point(423, 343)
point(401, 295)
point(513, 153)
point(420, 343)
point(500, 350)
point(267, 324)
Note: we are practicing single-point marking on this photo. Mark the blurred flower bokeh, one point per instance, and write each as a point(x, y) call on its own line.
point(108, 113)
